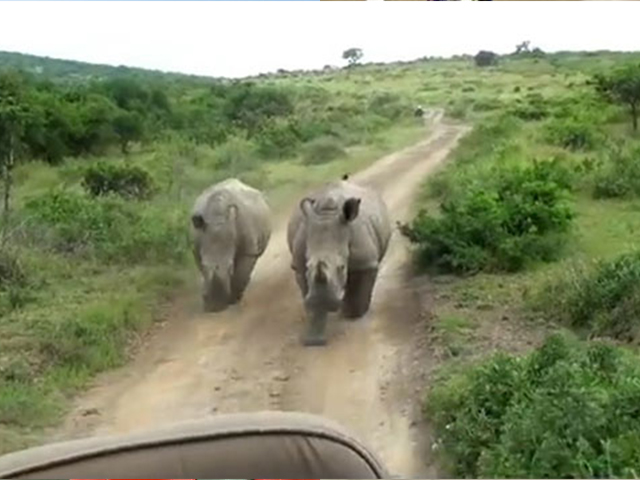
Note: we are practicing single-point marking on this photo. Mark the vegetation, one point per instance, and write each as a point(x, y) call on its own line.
point(538, 210)
point(566, 410)
point(353, 55)
point(623, 86)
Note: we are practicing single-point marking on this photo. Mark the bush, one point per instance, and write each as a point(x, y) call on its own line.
point(601, 301)
point(619, 174)
point(389, 106)
point(278, 139)
point(499, 226)
point(129, 181)
point(322, 150)
point(573, 133)
point(567, 410)
point(534, 107)
point(236, 155)
point(110, 228)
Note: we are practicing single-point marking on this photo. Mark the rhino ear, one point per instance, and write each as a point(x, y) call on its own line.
point(232, 212)
point(351, 209)
point(197, 220)
point(306, 205)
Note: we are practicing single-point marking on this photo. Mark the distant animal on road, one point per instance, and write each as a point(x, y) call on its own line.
point(231, 225)
point(337, 237)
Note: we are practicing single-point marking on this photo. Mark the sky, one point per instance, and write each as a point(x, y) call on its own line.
point(235, 39)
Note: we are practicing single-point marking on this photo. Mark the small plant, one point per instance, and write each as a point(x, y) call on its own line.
point(567, 410)
point(128, 181)
point(322, 150)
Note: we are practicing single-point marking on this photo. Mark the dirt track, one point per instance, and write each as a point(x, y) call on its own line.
point(249, 358)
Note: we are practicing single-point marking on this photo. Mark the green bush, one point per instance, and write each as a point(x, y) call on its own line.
point(534, 107)
point(237, 154)
point(498, 226)
point(567, 410)
point(278, 139)
point(573, 134)
point(110, 228)
point(322, 150)
point(602, 301)
point(619, 174)
point(129, 181)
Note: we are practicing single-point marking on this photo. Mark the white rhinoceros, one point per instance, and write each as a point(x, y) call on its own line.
point(232, 227)
point(337, 237)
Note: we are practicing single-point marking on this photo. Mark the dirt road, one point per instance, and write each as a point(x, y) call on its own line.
point(249, 358)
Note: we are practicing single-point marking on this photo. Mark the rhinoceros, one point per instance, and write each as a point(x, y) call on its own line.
point(231, 229)
point(337, 237)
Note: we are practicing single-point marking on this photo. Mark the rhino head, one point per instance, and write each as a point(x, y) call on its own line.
point(328, 235)
point(215, 251)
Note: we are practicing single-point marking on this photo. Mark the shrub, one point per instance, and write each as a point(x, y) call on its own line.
point(110, 228)
point(126, 180)
point(278, 139)
point(322, 150)
point(602, 301)
point(567, 410)
point(389, 106)
point(499, 226)
point(619, 174)
point(534, 107)
point(573, 133)
point(237, 154)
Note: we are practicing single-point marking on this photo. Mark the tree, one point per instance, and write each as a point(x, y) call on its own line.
point(623, 87)
point(485, 59)
point(13, 118)
point(128, 127)
point(523, 47)
point(352, 55)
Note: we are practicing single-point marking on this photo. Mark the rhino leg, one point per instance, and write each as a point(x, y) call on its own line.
point(315, 335)
point(358, 293)
point(241, 275)
point(301, 279)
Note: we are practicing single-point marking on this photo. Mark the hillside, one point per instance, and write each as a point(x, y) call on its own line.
point(71, 70)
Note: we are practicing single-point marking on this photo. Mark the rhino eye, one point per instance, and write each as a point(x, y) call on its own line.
point(341, 269)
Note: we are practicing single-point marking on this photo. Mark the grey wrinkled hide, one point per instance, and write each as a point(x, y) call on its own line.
point(231, 225)
point(337, 237)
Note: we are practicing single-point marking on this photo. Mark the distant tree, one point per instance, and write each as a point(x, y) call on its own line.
point(14, 114)
point(523, 47)
point(485, 59)
point(129, 128)
point(622, 86)
point(352, 55)
point(537, 53)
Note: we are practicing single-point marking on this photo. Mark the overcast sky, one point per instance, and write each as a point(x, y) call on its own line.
point(245, 38)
